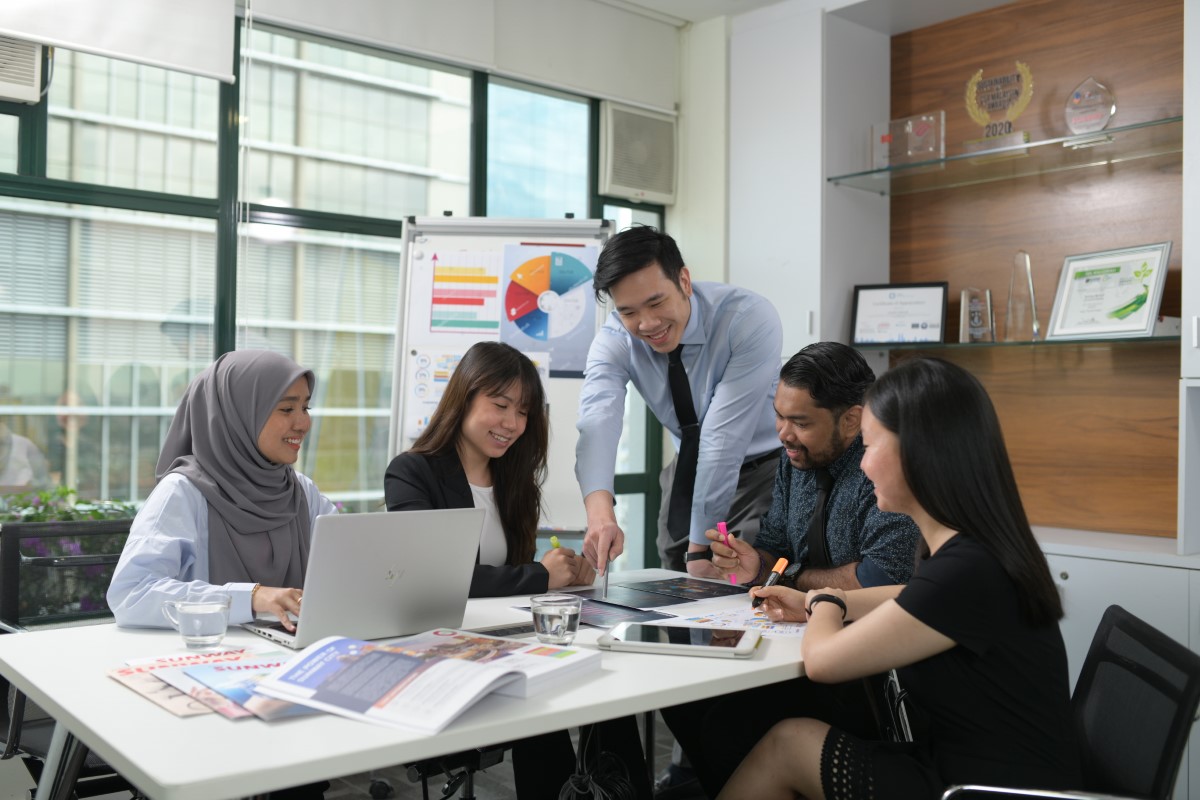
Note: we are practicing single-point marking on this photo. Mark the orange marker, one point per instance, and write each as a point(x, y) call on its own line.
point(771, 580)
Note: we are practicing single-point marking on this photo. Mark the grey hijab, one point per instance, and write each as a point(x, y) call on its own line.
point(258, 519)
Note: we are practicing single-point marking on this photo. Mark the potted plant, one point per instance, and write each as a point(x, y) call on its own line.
point(57, 554)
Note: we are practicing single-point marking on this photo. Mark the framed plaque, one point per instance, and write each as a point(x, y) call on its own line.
point(899, 313)
point(1110, 294)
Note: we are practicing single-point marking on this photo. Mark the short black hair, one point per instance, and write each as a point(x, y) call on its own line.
point(836, 375)
point(634, 249)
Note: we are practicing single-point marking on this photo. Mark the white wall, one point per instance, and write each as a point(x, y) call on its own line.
point(577, 45)
point(699, 218)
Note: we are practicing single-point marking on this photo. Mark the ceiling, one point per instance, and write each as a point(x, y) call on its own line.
point(695, 10)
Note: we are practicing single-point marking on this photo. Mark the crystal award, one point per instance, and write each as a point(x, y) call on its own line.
point(1090, 107)
point(975, 323)
point(1020, 319)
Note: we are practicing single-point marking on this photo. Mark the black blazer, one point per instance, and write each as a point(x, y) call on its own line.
point(418, 481)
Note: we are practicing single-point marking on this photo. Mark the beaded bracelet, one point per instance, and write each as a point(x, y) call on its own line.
point(254, 591)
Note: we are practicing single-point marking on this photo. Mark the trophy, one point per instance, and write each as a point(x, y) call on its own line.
point(975, 322)
point(909, 140)
point(1090, 107)
point(1006, 94)
point(1020, 320)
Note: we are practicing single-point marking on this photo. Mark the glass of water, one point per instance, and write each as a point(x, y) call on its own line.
point(555, 617)
point(201, 619)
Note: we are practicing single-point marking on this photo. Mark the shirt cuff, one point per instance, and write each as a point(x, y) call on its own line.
point(871, 574)
point(240, 610)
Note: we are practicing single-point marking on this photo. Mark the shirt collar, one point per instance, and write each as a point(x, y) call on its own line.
point(849, 459)
point(694, 332)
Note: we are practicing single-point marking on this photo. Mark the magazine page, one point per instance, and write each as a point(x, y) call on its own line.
point(178, 677)
point(377, 683)
point(142, 676)
point(422, 682)
point(238, 682)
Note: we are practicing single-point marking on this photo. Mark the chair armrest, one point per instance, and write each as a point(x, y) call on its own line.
point(1001, 791)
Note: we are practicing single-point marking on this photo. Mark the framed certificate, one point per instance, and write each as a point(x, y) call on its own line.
point(1110, 294)
point(899, 313)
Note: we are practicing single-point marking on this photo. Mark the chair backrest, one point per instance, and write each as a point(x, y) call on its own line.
point(1134, 706)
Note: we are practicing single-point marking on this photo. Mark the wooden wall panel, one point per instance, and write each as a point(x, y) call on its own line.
point(1077, 417)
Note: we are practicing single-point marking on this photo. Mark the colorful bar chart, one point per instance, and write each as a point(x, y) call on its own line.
point(466, 299)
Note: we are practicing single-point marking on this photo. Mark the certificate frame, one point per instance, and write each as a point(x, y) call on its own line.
point(899, 313)
point(1098, 293)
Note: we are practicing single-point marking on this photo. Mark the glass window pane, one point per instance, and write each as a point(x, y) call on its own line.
point(631, 450)
point(9, 128)
point(329, 301)
point(631, 516)
point(624, 217)
point(96, 312)
point(120, 124)
point(538, 147)
point(334, 127)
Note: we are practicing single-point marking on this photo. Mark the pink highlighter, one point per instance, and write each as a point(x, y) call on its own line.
point(724, 531)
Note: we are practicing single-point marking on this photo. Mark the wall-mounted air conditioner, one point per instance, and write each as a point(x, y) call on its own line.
point(20, 70)
point(637, 154)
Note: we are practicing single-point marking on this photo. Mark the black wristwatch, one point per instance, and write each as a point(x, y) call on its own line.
point(700, 555)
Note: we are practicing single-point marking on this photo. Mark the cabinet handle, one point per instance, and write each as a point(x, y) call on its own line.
point(812, 315)
point(1195, 332)
point(1064, 575)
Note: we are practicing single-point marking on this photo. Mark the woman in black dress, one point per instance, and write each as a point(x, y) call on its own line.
point(974, 635)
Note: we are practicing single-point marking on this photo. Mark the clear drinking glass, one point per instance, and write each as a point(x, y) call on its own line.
point(556, 617)
point(201, 619)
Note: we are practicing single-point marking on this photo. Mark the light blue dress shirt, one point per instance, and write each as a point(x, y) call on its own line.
point(166, 555)
point(732, 346)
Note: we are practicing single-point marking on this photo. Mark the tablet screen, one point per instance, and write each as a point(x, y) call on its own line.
point(674, 634)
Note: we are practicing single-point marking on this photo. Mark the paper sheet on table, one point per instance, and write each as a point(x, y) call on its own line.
point(743, 617)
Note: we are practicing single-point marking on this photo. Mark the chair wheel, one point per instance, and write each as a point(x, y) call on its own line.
point(381, 790)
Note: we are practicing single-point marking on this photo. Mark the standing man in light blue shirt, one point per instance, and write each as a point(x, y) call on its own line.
point(731, 341)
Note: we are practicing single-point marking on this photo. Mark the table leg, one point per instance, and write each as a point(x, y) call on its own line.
point(648, 743)
point(64, 760)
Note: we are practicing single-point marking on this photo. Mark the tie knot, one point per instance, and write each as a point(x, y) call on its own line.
point(824, 479)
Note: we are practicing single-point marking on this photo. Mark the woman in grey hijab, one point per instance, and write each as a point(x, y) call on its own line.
point(229, 512)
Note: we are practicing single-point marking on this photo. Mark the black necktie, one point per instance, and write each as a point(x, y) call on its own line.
point(679, 512)
point(818, 552)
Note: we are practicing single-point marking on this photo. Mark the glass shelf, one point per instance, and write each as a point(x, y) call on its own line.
point(1125, 340)
point(1112, 146)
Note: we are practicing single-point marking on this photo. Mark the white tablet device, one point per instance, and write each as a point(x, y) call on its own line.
point(678, 640)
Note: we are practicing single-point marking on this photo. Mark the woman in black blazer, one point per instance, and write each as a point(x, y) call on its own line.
point(485, 447)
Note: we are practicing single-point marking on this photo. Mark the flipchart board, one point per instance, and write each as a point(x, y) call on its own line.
point(527, 283)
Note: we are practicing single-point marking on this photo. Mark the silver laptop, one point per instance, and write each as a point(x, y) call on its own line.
point(381, 575)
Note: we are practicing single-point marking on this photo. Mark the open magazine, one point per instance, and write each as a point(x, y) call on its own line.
point(423, 682)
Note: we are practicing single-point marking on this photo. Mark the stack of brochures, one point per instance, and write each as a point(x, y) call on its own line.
point(423, 682)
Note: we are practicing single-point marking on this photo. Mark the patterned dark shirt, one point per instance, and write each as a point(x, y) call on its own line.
point(856, 530)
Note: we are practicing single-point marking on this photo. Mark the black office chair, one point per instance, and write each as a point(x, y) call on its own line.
point(1132, 710)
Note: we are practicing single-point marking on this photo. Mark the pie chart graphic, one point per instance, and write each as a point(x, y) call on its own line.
point(547, 296)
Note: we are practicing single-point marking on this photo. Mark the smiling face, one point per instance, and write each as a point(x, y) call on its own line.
point(809, 433)
point(881, 463)
point(281, 435)
point(652, 308)
point(491, 425)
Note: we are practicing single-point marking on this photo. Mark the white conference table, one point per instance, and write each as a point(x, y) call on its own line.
point(209, 757)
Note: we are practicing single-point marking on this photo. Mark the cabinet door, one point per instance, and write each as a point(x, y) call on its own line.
point(1088, 586)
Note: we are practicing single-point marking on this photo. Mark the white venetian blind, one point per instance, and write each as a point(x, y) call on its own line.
point(193, 36)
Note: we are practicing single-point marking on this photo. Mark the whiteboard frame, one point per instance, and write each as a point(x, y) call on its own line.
point(493, 232)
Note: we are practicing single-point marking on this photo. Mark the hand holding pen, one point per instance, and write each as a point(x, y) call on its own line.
point(772, 579)
point(732, 557)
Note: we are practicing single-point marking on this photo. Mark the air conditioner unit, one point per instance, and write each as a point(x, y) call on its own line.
point(20, 70)
point(637, 154)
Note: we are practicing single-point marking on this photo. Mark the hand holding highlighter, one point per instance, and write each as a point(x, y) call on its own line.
point(772, 579)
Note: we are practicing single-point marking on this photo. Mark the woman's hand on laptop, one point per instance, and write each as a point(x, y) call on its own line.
point(278, 601)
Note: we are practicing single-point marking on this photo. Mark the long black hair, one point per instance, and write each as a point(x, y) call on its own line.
point(490, 368)
point(956, 466)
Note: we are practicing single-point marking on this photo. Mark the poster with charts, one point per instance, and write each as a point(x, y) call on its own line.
point(456, 298)
point(549, 304)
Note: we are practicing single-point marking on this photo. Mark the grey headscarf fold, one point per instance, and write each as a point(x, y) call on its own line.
point(258, 519)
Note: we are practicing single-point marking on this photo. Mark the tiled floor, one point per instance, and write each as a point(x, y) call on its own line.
point(495, 783)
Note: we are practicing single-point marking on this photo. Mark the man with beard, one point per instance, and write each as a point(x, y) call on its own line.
point(824, 521)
